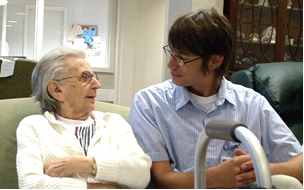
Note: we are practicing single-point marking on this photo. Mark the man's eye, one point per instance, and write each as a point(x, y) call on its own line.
point(181, 58)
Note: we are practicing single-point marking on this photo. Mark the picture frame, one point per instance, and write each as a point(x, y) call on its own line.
point(86, 37)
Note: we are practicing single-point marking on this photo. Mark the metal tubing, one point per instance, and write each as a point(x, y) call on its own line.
point(200, 161)
point(256, 151)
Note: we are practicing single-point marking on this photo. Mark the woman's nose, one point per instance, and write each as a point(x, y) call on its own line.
point(96, 84)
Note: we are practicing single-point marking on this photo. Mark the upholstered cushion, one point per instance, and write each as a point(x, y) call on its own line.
point(282, 84)
point(19, 84)
point(245, 78)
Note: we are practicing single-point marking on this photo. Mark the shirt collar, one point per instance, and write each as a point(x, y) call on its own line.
point(52, 118)
point(182, 95)
point(226, 93)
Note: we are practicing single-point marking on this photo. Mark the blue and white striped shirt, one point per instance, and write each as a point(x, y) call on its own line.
point(167, 124)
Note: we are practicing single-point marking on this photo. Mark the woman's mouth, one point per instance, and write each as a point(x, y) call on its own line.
point(91, 97)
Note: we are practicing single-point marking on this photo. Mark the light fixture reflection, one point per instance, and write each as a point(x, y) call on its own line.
point(3, 2)
point(22, 14)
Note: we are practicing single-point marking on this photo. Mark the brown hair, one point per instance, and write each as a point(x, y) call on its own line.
point(204, 33)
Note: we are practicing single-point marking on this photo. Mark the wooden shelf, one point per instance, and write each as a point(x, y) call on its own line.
point(257, 6)
point(264, 43)
point(249, 6)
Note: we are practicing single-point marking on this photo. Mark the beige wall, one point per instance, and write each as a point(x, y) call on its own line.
point(203, 4)
point(139, 48)
point(150, 38)
point(125, 50)
point(142, 31)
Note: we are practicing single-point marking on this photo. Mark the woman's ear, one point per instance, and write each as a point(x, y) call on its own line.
point(56, 90)
point(215, 61)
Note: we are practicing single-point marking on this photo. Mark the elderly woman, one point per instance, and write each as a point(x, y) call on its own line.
point(70, 145)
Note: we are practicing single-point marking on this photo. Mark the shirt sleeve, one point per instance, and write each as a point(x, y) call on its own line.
point(30, 166)
point(145, 127)
point(127, 165)
point(277, 139)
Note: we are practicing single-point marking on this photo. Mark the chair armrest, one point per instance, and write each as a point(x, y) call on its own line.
point(243, 77)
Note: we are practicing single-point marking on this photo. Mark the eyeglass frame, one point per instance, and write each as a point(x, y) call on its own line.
point(82, 75)
point(180, 62)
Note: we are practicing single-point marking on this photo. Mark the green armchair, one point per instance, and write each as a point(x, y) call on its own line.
point(282, 85)
point(12, 111)
point(19, 84)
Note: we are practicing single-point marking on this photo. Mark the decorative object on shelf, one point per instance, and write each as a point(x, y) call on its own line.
point(261, 2)
point(243, 2)
point(246, 61)
point(255, 37)
point(286, 57)
point(289, 41)
point(289, 4)
point(269, 34)
point(238, 34)
point(243, 60)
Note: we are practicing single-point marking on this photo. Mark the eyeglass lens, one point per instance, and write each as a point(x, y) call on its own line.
point(169, 52)
point(87, 76)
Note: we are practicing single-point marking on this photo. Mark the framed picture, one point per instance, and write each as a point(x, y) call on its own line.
point(86, 37)
point(86, 33)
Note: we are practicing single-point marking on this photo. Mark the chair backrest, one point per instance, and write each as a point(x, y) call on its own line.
point(19, 84)
point(282, 85)
point(12, 111)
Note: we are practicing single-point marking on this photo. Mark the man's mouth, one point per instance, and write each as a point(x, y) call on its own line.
point(174, 74)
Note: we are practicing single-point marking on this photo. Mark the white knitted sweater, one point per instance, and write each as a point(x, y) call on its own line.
point(119, 159)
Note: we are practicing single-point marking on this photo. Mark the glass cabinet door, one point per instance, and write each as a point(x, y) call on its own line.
point(294, 32)
point(265, 31)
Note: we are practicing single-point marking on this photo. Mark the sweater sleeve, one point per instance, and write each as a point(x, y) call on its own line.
point(128, 166)
point(29, 162)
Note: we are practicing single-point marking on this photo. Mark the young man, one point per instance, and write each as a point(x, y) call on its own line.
point(167, 118)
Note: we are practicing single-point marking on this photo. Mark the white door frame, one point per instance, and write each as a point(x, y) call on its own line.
point(3, 39)
point(26, 24)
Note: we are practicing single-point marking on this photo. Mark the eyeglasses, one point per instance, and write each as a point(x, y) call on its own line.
point(85, 75)
point(169, 52)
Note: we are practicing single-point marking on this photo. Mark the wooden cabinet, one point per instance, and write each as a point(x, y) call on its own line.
point(265, 31)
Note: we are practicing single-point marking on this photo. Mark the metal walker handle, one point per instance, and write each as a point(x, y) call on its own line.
point(231, 131)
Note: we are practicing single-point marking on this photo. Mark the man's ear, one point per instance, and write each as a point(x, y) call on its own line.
point(215, 61)
point(56, 90)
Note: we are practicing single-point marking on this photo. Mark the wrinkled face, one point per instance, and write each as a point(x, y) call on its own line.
point(79, 96)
